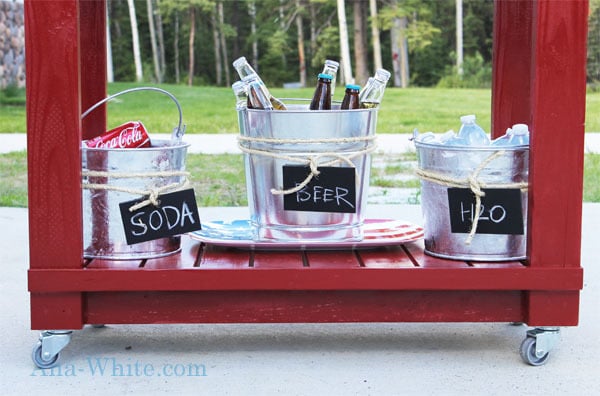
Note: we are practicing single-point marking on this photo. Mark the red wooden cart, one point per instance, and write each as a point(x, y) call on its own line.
point(539, 78)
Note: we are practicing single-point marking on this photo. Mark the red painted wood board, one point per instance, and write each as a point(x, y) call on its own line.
point(304, 306)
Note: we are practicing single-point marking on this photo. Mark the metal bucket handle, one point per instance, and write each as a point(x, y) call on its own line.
point(178, 131)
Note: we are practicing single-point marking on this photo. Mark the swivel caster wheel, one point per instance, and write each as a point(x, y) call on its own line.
point(46, 352)
point(535, 348)
point(41, 361)
point(529, 355)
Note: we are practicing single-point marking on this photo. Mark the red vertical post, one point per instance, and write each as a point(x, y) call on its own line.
point(54, 161)
point(92, 17)
point(512, 49)
point(539, 78)
point(558, 87)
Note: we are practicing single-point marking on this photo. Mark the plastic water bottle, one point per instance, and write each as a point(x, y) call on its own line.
point(427, 137)
point(456, 140)
point(520, 135)
point(471, 133)
point(446, 136)
point(503, 140)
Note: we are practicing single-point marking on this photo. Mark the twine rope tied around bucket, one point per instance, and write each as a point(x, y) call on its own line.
point(474, 184)
point(152, 193)
point(313, 161)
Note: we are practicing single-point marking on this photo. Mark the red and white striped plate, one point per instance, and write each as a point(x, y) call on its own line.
point(239, 234)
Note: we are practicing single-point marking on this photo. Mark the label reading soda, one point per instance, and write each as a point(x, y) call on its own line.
point(129, 135)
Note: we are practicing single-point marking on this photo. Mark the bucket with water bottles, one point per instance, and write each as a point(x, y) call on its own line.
point(474, 192)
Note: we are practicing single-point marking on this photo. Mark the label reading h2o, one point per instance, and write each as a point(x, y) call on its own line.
point(176, 214)
point(333, 190)
point(500, 211)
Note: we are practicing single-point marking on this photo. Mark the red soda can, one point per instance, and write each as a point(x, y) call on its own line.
point(132, 134)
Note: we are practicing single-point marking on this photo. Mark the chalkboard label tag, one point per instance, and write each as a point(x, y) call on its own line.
point(500, 211)
point(333, 190)
point(176, 214)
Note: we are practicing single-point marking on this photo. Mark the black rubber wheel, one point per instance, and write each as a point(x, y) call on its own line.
point(528, 353)
point(38, 360)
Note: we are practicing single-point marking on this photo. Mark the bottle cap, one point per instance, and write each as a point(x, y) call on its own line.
point(466, 119)
point(520, 129)
point(325, 76)
point(333, 63)
point(353, 86)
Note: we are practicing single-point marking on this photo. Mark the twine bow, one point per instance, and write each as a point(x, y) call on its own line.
point(313, 161)
point(152, 193)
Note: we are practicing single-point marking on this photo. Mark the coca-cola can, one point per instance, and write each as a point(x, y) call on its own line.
point(132, 134)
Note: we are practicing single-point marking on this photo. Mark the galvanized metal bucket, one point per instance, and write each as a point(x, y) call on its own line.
point(111, 176)
point(442, 168)
point(299, 136)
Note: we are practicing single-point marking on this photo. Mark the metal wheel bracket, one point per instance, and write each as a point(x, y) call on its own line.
point(54, 341)
point(546, 339)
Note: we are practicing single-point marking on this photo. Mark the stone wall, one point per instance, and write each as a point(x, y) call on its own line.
point(12, 44)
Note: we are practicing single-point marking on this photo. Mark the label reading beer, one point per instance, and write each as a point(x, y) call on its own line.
point(333, 190)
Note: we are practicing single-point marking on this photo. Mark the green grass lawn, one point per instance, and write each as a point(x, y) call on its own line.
point(211, 109)
point(218, 180)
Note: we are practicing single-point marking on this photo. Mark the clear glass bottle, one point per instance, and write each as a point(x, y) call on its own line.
point(244, 69)
point(256, 96)
point(241, 94)
point(322, 97)
point(331, 67)
point(350, 100)
point(471, 133)
point(372, 93)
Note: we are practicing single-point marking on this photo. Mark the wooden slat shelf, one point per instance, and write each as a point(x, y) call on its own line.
point(202, 267)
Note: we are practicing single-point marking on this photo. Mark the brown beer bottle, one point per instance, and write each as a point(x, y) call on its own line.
point(322, 97)
point(350, 100)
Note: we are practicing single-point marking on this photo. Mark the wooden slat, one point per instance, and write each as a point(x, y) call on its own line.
point(390, 257)
point(185, 259)
point(332, 259)
point(426, 261)
point(114, 264)
point(213, 257)
point(276, 259)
